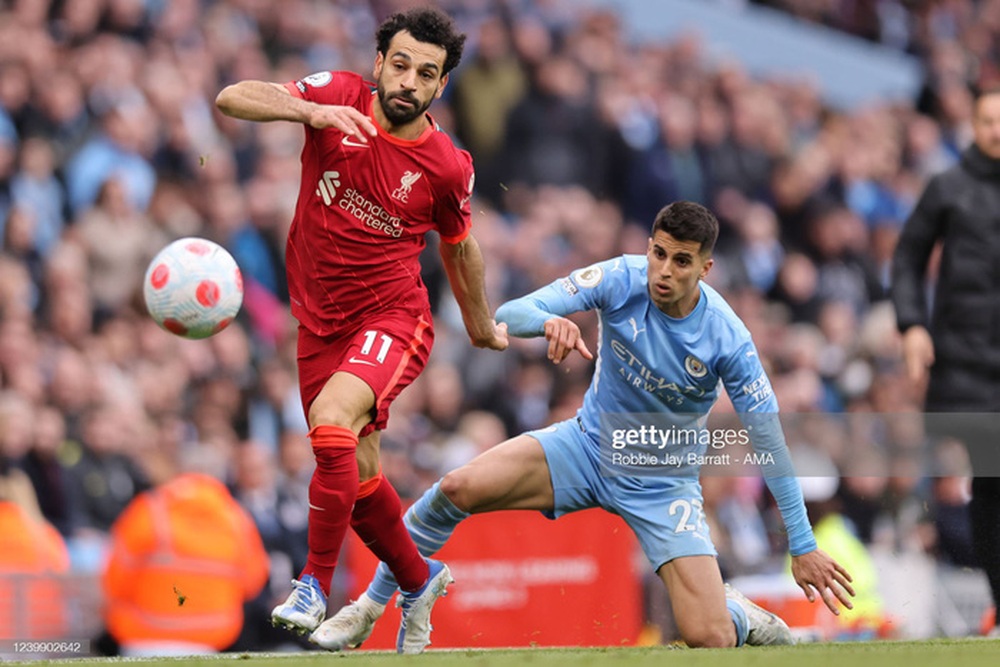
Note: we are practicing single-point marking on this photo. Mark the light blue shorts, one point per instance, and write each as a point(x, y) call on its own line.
point(666, 514)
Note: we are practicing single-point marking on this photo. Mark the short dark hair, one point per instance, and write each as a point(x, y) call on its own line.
point(989, 91)
point(428, 25)
point(688, 221)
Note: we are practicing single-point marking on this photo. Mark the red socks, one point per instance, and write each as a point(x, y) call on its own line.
point(377, 515)
point(378, 521)
point(332, 492)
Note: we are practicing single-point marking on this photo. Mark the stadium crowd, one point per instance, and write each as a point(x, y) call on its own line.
point(110, 146)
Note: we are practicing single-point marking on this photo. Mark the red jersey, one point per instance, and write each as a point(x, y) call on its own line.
point(363, 209)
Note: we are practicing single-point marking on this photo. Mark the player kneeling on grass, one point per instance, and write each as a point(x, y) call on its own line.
point(658, 320)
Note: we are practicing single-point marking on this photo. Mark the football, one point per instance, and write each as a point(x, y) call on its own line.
point(193, 288)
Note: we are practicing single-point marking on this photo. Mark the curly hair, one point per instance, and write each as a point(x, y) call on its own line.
point(427, 25)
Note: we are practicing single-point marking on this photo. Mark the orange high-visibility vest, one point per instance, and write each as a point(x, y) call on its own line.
point(184, 557)
point(30, 552)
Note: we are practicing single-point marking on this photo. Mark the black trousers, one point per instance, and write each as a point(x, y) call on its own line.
point(975, 393)
point(984, 514)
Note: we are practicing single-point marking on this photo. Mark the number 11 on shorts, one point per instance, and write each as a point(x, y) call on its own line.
point(383, 350)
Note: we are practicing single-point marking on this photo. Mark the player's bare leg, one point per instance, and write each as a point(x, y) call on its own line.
point(369, 448)
point(514, 475)
point(713, 615)
point(699, 601)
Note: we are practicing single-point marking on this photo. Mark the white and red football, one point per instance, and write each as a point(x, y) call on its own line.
point(193, 288)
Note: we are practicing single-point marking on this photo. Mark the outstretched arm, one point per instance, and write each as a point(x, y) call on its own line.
point(541, 314)
point(813, 569)
point(264, 101)
point(463, 262)
point(750, 389)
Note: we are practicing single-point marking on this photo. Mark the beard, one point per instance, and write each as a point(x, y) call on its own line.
point(401, 115)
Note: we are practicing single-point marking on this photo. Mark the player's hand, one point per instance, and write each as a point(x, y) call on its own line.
point(564, 337)
point(816, 572)
point(497, 341)
point(918, 353)
point(348, 120)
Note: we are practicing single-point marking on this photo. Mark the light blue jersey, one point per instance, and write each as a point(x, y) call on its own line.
point(648, 362)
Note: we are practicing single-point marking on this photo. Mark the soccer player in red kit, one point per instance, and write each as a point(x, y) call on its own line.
point(377, 174)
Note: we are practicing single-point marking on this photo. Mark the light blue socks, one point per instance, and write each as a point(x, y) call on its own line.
point(430, 521)
point(739, 620)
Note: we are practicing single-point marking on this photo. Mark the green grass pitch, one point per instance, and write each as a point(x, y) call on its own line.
point(964, 653)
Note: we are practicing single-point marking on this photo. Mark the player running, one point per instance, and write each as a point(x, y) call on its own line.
point(660, 323)
point(377, 174)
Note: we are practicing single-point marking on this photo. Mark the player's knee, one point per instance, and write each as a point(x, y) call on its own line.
point(455, 486)
point(329, 413)
point(721, 634)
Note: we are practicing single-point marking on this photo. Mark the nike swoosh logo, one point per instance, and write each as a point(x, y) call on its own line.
point(355, 360)
point(349, 141)
point(313, 507)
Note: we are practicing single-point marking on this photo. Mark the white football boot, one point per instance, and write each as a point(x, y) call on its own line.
point(766, 629)
point(350, 626)
point(415, 627)
point(304, 609)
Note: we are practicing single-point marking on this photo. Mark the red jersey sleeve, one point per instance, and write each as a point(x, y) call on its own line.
point(329, 88)
point(454, 211)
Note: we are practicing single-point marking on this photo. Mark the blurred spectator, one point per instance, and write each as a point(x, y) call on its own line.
point(68, 305)
point(116, 151)
point(737, 526)
point(119, 242)
point(669, 170)
point(552, 136)
point(862, 501)
point(183, 559)
point(108, 478)
point(950, 535)
point(72, 387)
point(756, 255)
point(483, 94)
point(279, 511)
point(36, 188)
point(276, 407)
point(45, 464)
point(276, 509)
point(60, 114)
point(838, 241)
point(16, 434)
point(30, 552)
point(19, 243)
point(228, 222)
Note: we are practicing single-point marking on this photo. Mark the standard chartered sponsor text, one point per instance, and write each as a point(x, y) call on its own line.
point(370, 213)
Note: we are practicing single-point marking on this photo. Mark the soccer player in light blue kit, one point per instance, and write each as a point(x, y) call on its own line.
point(667, 341)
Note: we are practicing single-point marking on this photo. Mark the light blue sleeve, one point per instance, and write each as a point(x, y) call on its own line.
point(750, 390)
point(593, 287)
